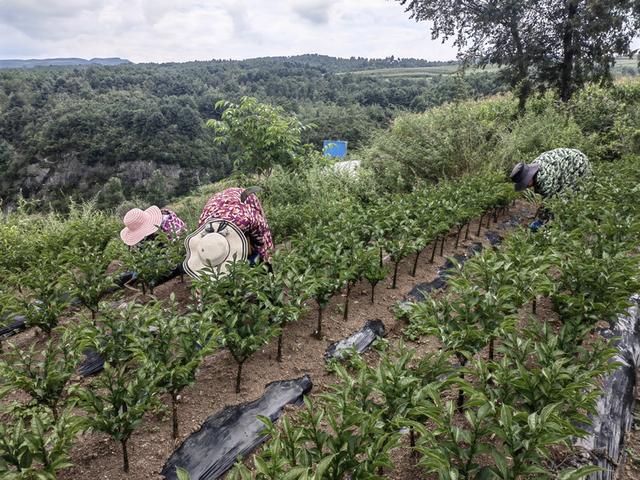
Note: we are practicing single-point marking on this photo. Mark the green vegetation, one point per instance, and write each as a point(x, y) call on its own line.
point(122, 131)
point(499, 398)
point(259, 136)
point(516, 408)
point(536, 52)
point(463, 137)
point(43, 375)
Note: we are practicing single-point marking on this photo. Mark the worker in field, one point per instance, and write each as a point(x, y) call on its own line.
point(143, 225)
point(232, 226)
point(550, 174)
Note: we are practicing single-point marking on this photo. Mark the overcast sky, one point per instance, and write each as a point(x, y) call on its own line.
point(181, 30)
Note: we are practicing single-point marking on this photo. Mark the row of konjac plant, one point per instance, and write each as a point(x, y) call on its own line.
point(510, 387)
point(53, 274)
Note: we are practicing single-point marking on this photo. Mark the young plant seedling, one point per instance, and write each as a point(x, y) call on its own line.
point(89, 280)
point(175, 349)
point(48, 298)
point(373, 272)
point(243, 320)
point(43, 375)
point(37, 448)
point(152, 260)
point(117, 400)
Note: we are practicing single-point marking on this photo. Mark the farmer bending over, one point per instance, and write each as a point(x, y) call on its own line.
point(144, 225)
point(550, 174)
point(232, 226)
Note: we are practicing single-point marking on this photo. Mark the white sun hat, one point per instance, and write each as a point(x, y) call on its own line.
point(214, 245)
point(140, 223)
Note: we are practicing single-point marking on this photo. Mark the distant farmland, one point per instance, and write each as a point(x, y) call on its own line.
point(623, 67)
point(419, 72)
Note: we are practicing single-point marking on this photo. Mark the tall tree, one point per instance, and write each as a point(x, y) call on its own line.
point(487, 33)
point(539, 43)
point(259, 134)
point(584, 38)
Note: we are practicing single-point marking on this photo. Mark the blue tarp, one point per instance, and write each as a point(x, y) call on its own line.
point(334, 148)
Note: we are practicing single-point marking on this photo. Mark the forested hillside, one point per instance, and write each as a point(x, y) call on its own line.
point(140, 129)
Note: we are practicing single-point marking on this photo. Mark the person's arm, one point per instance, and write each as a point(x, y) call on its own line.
point(262, 240)
point(172, 225)
point(259, 233)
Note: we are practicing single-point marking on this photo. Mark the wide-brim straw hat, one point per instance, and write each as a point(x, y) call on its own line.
point(140, 223)
point(213, 246)
point(523, 173)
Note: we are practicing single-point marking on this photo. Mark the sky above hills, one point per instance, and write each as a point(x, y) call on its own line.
point(181, 30)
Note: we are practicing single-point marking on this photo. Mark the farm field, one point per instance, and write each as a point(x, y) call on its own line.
point(420, 72)
point(99, 458)
point(623, 67)
point(533, 293)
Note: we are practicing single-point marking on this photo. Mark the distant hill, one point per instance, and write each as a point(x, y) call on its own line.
point(141, 128)
point(60, 62)
point(343, 65)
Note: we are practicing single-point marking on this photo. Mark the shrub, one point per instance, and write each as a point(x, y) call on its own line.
point(537, 132)
point(446, 141)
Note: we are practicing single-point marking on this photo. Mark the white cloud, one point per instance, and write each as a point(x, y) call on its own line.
point(166, 30)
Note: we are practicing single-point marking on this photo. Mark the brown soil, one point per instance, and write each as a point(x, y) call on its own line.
point(631, 469)
point(96, 456)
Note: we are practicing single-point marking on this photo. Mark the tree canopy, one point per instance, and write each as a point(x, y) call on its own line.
point(260, 134)
point(560, 44)
point(66, 131)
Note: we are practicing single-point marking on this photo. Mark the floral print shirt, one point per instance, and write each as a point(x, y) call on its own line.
point(171, 224)
point(247, 216)
point(560, 169)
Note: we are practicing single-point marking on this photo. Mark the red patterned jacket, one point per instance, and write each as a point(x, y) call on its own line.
point(248, 216)
point(171, 224)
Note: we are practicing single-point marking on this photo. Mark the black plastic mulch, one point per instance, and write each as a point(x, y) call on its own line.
point(360, 341)
point(493, 237)
point(235, 431)
point(93, 363)
point(18, 324)
point(614, 418)
point(420, 291)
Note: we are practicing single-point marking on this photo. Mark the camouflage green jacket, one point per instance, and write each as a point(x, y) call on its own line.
point(560, 169)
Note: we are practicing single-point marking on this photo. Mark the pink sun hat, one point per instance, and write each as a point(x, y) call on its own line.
point(140, 223)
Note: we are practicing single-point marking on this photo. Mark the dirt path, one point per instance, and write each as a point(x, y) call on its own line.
point(96, 456)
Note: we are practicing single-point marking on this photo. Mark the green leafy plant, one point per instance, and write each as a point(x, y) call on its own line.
point(89, 280)
point(453, 323)
point(152, 260)
point(262, 135)
point(43, 375)
point(243, 320)
point(117, 333)
point(117, 400)
point(325, 280)
point(304, 448)
point(47, 299)
point(175, 349)
point(36, 448)
point(452, 450)
point(373, 271)
point(283, 292)
point(535, 372)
